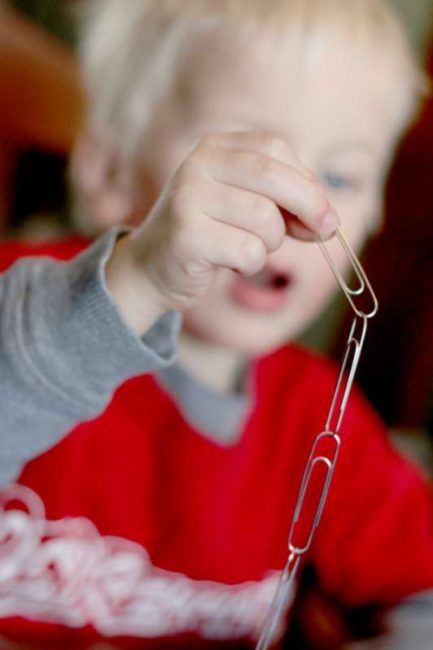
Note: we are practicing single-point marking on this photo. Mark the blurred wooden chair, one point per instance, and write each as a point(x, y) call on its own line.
point(41, 99)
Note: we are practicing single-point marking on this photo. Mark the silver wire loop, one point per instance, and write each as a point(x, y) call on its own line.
point(364, 283)
point(314, 459)
point(346, 375)
point(279, 602)
point(317, 457)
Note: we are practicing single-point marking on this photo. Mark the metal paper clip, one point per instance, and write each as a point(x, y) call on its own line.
point(330, 435)
point(364, 284)
point(279, 602)
point(346, 375)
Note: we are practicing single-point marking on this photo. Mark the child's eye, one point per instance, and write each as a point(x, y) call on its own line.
point(336, 181)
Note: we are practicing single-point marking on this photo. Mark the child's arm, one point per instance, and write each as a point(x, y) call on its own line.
point(64, 348)
point(223, 208)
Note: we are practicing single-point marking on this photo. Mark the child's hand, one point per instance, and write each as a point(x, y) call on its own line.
point(230, 203)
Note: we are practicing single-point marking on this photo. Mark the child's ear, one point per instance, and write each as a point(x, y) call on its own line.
point(103, 180)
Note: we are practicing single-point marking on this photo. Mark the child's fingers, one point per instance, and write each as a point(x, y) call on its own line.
point(283, 184)
point(229, 247)
point(249, 211)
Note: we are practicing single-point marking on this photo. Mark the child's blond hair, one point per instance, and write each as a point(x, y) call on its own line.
point(131, 49)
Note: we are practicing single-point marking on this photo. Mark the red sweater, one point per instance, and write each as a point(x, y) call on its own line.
point(209, 523)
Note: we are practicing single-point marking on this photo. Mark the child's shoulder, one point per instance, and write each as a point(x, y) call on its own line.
point(62, 249)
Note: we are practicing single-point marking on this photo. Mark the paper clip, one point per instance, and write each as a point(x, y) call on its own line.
point(354, 344)
point(364, 284)
point(279, 602)
point(337, 408)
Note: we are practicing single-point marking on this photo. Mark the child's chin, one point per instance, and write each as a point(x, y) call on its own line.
point(241, 341)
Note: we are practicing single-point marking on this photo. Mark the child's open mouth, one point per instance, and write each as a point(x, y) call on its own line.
point(264, 291)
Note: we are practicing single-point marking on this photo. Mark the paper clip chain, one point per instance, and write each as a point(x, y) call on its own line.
point(324, 451)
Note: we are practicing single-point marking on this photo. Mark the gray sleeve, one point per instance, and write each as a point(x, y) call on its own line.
point(410, 626)
point(64, 348)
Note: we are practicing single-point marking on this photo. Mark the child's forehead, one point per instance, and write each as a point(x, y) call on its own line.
point(232, 51)
point(264, 65)
point(322, 110)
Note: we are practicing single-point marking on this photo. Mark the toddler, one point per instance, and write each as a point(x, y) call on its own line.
point(231, 134)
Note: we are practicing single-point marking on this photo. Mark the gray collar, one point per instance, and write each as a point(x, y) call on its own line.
point(217, 417)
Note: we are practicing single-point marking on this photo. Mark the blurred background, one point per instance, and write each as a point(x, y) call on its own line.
point(40, 116)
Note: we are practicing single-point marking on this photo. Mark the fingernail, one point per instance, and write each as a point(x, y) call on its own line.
point(329, 223)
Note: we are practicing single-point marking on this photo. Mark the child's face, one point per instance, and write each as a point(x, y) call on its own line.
point(337, 121)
